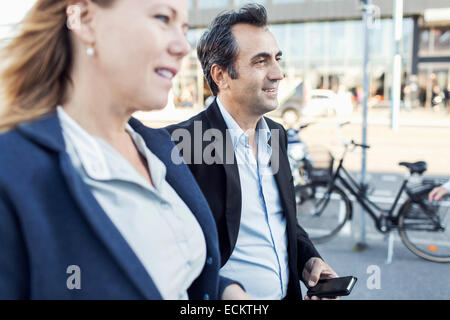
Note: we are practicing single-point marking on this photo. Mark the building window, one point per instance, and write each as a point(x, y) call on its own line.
point(435, 42)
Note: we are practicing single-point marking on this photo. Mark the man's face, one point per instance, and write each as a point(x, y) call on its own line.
point(257, 65)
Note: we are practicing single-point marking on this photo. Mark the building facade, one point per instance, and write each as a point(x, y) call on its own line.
point(322, 44)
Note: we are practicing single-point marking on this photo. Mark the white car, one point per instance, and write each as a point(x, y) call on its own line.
point(327, 103)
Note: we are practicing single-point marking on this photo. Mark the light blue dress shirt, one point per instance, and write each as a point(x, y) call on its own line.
point(154, 220)
point(259, 260)
point(447, 185)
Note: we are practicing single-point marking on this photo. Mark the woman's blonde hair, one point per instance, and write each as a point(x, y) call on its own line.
point(37, 64)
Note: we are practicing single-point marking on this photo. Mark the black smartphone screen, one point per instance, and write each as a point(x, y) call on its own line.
point(333, 287)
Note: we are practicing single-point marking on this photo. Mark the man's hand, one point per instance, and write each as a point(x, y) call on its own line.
point(235, 292)
point(314, 270)
point(437, 194)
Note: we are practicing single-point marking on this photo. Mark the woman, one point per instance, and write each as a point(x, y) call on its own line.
point(91, 205)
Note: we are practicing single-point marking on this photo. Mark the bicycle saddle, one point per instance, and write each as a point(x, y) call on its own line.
point(415, 167)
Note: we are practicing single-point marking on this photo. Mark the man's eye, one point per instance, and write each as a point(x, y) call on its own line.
point(163, 18)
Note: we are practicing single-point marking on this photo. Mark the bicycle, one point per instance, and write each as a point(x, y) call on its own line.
point(324, 208)
point(303, 168)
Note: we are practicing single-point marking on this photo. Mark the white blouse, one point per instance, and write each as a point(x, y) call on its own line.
point(154, 220)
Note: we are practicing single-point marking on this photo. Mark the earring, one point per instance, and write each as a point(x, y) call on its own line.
point(90, 51)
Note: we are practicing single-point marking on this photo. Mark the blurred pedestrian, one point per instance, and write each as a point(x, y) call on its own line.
point(436, 98)
point(447, 97)
point(91, 205)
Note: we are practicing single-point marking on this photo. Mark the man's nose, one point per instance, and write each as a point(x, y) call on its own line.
point(275, 72)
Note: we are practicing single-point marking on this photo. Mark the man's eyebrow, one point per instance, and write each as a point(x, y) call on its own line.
point(261, 55)
point(266, 55)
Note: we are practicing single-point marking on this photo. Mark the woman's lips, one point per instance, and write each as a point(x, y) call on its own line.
point(166, 73)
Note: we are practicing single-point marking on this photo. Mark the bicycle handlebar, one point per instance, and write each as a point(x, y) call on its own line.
point(351, 142)
point(305, 126)
point(364, 146)
point(340, 125)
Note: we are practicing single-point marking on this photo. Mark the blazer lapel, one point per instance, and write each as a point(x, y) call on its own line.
point(48, 133)
point(233, 203)
point(283, 177)
point(179, 177)
point(283, 173)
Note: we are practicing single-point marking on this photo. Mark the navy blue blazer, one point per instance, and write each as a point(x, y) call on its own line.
point(50, 220)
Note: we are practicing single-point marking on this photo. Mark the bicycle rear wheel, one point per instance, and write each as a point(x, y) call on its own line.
point(424, 229)
point(320, 211)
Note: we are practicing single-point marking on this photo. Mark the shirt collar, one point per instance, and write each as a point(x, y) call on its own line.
point(236, 132)
point(156, 167)
point(93, 159)
point(87, 148)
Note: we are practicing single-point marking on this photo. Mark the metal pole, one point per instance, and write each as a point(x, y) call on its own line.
point(367, 16)
point(397, 64)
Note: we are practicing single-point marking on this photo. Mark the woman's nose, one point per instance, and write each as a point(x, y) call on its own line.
point(180, 46)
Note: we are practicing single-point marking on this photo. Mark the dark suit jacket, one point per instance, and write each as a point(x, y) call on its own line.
point(50, 220)
point(220, 184)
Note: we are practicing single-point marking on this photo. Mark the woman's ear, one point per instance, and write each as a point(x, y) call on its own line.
point(80, 20)
point(219, 76)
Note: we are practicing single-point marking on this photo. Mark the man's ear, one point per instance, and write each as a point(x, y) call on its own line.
point(80, 20)
point(220, 77)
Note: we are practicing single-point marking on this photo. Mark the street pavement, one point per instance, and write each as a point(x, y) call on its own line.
point(407, 277)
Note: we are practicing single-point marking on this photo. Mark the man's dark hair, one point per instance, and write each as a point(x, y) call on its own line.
point(218, 45)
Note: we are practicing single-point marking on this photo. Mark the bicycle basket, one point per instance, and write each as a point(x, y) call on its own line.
point(420, 190)
point(321, 162)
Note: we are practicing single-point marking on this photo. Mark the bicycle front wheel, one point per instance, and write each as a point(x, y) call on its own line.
point(321, 211)
point(424, 229)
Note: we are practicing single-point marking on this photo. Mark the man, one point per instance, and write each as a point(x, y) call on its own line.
point(249, 184)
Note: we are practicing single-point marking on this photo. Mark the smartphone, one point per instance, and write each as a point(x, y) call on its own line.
point(332, 288)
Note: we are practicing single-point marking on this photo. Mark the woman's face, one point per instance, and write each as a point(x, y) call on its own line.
point(139, 45)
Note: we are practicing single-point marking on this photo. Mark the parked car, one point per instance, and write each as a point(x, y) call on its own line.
point(291, 103)
point(327, 103)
